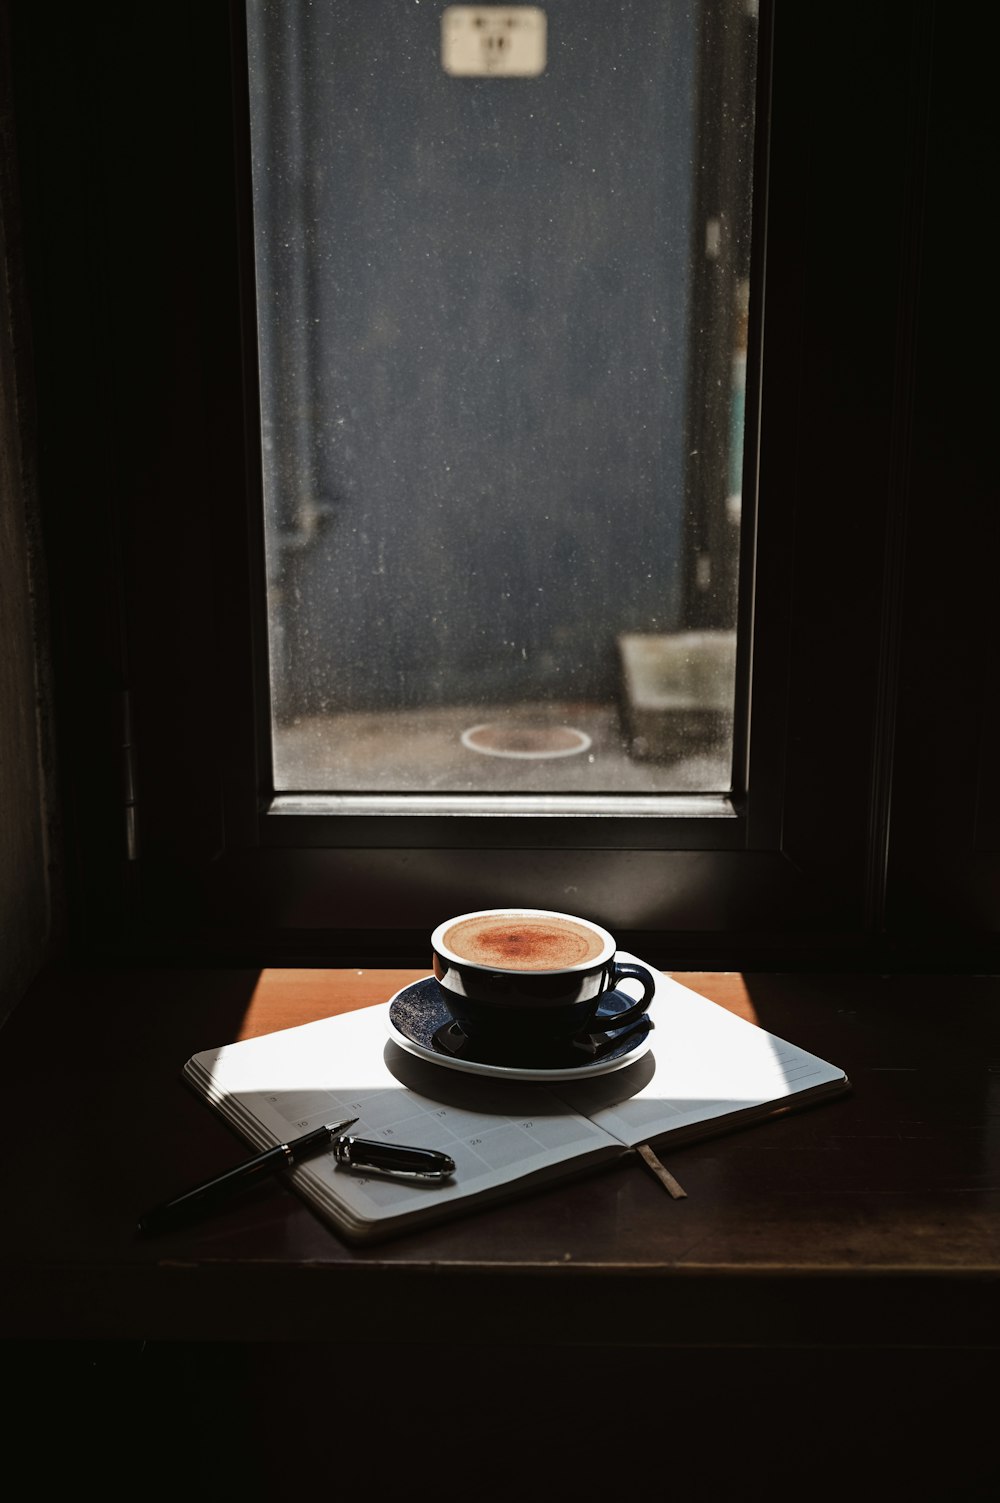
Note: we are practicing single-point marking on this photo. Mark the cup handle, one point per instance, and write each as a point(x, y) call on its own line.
point(623, 969)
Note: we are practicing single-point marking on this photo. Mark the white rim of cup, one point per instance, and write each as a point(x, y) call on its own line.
point(610, 945)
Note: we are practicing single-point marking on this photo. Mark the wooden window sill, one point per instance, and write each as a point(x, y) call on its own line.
point(833, 1225)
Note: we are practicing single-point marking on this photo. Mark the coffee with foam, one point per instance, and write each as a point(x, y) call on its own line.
point(523, 941)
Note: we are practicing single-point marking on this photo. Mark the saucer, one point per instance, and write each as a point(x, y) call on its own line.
point(420, 1011)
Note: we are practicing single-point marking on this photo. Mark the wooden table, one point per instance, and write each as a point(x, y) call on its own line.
point(855, 1244)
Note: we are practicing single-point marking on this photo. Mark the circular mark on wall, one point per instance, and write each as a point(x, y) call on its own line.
point(533, 742)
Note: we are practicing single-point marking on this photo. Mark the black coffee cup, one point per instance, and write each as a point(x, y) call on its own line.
point(523, 982)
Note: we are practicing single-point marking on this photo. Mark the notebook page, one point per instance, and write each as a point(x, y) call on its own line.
point(705, 1064)
point(281, 1085)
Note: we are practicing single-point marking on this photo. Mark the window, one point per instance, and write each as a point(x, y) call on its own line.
point(820, 841)
point(501, 308)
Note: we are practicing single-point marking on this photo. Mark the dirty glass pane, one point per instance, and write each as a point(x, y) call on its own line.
point(501, 271)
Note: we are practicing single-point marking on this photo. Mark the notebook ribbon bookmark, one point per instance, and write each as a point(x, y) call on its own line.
point(663, 1175)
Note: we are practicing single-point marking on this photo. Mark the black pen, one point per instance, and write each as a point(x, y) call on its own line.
point(398, 1160)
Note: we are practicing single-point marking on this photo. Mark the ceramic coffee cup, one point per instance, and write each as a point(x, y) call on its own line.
point(522, 981)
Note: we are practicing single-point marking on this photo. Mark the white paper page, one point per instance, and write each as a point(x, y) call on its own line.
point(705, 1063)
point(281, 1085)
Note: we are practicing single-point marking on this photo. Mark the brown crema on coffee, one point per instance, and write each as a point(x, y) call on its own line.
point(523, 942)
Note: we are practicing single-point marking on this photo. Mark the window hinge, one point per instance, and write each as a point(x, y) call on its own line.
point(131, 830)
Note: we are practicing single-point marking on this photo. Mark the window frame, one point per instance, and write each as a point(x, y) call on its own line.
point(512, 830)
point(313, 819)
point(663, 845)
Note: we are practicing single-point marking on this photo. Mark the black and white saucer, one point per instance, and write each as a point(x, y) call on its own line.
point(420, 1022)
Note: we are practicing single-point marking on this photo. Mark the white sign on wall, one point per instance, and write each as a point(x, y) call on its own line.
point(503, 40)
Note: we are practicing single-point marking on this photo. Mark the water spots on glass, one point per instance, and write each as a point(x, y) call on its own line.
point(477, 331)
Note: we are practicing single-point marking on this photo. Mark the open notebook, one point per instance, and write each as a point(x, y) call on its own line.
point(706, 1071)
